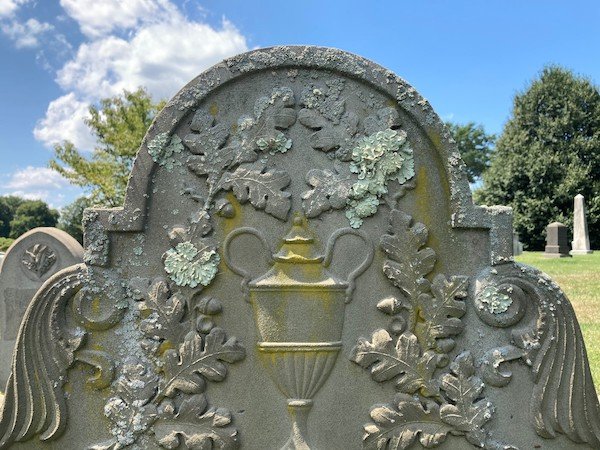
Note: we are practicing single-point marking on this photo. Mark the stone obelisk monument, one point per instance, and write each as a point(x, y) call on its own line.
point(581, 238)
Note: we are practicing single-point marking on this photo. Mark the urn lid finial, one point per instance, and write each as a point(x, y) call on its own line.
point(300, 245)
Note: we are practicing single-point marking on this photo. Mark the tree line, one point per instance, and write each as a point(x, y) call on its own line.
point(548, 151)
point(18, 215)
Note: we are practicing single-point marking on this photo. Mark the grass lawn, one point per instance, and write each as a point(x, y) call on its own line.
point(579, 278)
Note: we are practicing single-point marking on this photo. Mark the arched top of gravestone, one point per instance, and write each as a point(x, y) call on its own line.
point(292, 60)
point(37, 255)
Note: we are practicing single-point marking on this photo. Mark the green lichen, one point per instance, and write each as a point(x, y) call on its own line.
point(357, 209)
point(377, 159)
point(278, 143)
point(188, 266)
point(495, 301)
point(162, 149)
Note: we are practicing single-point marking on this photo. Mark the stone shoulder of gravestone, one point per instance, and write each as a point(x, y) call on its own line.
point(299, 264)
point(581, 237)
point(31, 260)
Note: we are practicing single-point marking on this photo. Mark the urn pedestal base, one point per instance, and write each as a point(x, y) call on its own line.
point(299, 369)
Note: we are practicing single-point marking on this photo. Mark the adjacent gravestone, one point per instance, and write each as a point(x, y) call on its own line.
point(581, 238)
point(557, 241)
point(299, 265)
point(28, 263)
point(517, 245)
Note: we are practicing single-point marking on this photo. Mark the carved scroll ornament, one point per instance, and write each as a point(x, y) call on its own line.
point(547, 337)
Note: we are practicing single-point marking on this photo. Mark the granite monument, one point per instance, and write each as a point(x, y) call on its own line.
point(29, 262)
point(299, 265)
point(581, 238)
point(557, 241)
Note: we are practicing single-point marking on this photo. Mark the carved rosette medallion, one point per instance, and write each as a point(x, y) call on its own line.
point(38, 259)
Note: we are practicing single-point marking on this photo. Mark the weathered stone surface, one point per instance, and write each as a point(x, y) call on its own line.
point(28, 263)
point(299, 265)
point(557, 241)
point(581, 238)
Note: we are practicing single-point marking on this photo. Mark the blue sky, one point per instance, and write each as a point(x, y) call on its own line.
point(59, 56)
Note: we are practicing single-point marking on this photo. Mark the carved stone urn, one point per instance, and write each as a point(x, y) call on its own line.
point(299, 312)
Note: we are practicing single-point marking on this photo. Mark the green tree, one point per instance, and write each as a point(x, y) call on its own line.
point(5, 243)
point(475, 147)
point(548, 152)
point(31, 214)
point(71, 217)
point(8, 206)
point(119, 125)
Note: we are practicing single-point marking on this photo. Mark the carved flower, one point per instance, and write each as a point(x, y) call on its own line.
point(188, 266)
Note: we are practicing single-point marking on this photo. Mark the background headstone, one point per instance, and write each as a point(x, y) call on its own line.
point(299, 264)
point(581, 238)
point(29, 262)
point(517, 245)
point(557, 241)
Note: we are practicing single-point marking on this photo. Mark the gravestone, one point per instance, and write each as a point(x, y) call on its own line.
point(581, 238)
point(29, 262)
point(557, 241)
point(299, 265)
point(517, 245)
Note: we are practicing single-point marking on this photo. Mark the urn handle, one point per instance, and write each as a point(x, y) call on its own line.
point(363, 265)
point(246, 276)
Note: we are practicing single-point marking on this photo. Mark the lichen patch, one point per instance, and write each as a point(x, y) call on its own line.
point(188, 266)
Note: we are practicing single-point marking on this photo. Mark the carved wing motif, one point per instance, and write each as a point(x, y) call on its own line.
point(34, 402)
point(564, 399)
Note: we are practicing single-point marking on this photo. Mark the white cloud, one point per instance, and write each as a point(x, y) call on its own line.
point(97, 18)
point(162, 52)
point(35, 177)
point(162, 57)
point(65, 121)
point(39, 183)
point(25, 34)
point(9, 7)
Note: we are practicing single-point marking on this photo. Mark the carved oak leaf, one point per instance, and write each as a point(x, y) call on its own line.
point(272, 115)
point(195, 427)
point(130, 411)
point(409, 261)
point(329, 191)
point(401, 359)
point(396, 426)
point(215, 163)
point(328, 135)
point(467, 412)
point(198, 358)
point(381, 119)
point(166, 311)
point(264, 190)
point(208, 135)
point(442, 311)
